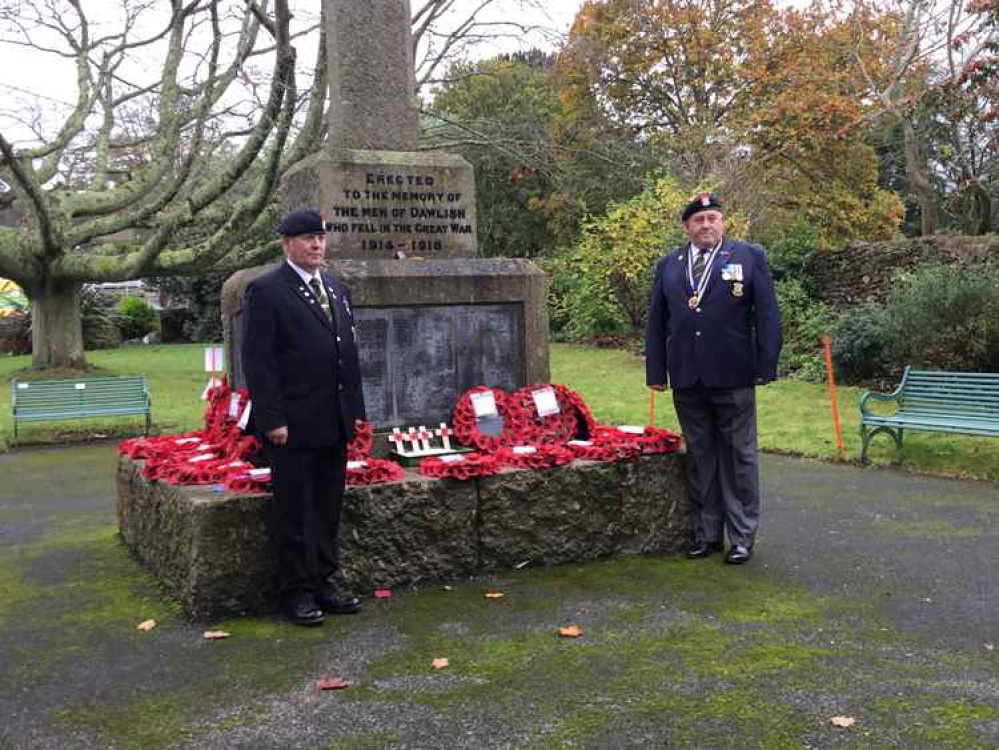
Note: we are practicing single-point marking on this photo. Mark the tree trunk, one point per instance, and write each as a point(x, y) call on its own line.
point(57, 326)
point(915, 170)
point(982, 202)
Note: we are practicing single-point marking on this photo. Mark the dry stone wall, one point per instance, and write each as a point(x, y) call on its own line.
point(864, 272)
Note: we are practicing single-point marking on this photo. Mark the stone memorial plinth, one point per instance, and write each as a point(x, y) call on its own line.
point(427, 331)
point(210, 550)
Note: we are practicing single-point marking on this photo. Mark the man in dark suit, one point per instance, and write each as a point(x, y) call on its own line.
point(714, 334)
point(301, 367)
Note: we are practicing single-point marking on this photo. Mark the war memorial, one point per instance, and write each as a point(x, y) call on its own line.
point(433, 321)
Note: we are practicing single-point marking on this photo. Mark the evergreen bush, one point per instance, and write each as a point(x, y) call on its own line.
point(805, 322)
point(946, 318)
point(861, 347)
point(136, 318)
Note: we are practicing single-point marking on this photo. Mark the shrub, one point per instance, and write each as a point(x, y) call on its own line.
point(615, 258)
point(202, 297)
point(789, 253)
point(136, 318)
point(946, 317)
point(861, 348)
point(100, 322)
point(806, 321)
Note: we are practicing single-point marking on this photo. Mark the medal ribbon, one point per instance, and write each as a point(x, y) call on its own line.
point(705, 274)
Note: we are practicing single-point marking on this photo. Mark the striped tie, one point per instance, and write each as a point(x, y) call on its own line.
point(317, 289)
point(699, 261)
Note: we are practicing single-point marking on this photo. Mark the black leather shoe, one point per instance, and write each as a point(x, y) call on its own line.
point(738, 555)
point(703, 549)
point(304, 611)
point(334, 604)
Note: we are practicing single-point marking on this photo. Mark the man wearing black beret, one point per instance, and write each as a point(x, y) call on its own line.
point(301, 366)
point(714, 334)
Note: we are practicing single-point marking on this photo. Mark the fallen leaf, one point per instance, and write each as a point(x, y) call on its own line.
point(449, 588)
point(333, 683)
point(494, 595)
point(571, 631)
point(214, 635)
point(842, 721)
point(382, 593)
point(146, 625)
point(439, 663)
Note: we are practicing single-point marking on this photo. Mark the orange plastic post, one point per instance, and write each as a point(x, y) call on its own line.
point(827, 345)
point(652, 408)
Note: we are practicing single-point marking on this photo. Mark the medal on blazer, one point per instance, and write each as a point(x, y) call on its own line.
point(737, 289)
point(702, 283)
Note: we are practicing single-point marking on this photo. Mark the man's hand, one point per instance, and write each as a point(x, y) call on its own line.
point(658, 387)
point(278, 436)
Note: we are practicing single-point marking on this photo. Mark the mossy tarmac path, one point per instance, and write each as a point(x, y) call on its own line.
point(874, 595)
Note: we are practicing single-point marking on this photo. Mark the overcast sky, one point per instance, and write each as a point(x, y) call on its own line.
point(31, 78)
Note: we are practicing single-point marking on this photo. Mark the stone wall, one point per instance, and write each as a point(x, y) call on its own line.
point(210, 550)
point(863, 272)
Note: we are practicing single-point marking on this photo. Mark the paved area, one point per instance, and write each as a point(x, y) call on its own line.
point(874, 595)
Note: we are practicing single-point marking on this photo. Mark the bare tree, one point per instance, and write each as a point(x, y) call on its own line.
point(927, 56)
point(156, 197)
point(174, 172)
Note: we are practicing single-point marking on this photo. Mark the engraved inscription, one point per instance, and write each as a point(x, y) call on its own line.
point(416, 362)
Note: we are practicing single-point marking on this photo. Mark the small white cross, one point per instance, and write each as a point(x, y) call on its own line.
point(398, 438)
point(444, 433)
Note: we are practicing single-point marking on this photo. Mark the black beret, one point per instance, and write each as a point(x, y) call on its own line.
point(302, 222)
point(703, 202)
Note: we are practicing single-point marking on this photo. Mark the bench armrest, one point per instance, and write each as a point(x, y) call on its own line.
point(871, 395)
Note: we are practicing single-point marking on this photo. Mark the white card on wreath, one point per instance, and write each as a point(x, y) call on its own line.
point(631, 429)
point(245, 417)
point(233, 405)
point(545, 402)
point(484, 404)
point(214, 358)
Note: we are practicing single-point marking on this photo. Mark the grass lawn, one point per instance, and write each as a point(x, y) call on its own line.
point(794, 417)
point(176, 380)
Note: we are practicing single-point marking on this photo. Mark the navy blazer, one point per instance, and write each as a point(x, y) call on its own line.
point(731, 340)
point(301, 369)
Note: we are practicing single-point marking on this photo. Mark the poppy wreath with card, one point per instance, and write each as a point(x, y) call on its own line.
point(466, 425)
point(552, 428)
point(605, 450)
point(368, 471)
point(650, 439)
point(461, 466)
point(534, 456)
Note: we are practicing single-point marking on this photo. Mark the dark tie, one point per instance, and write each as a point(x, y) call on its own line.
point(699, 261)
point(317, 289)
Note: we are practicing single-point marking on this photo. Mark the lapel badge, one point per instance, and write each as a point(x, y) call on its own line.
point(737, 289)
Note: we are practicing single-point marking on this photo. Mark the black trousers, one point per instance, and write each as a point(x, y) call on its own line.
point(719, 427)
point(308, 486)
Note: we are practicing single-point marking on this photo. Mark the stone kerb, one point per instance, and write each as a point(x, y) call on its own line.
point(211, 552)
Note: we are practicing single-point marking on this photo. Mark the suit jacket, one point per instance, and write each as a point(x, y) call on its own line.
point(301, 369)
point(733, 338)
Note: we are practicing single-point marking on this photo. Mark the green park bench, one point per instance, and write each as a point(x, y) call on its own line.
point(933, 401)
point(58, 400)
